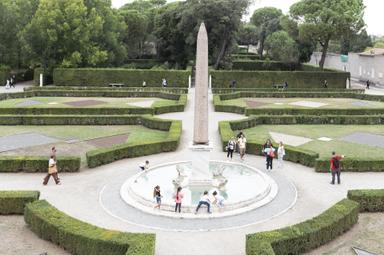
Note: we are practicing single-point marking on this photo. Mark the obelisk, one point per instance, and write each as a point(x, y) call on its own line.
point(200, 132)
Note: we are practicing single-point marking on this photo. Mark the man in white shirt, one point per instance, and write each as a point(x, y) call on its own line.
point(242, 145)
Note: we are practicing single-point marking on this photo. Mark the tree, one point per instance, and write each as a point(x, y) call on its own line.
point(353, 42)
point(60, 34)
point(326, 20)
point(247, 35)
point(267, 21)
point(305, 46)
point(282, 47)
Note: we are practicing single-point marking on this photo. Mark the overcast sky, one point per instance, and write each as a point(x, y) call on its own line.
point(374, 12)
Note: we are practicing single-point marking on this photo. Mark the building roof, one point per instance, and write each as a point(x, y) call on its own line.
point(373, 52)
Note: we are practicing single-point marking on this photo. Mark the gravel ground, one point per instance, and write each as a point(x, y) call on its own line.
point(17, 239)
point(367, 234)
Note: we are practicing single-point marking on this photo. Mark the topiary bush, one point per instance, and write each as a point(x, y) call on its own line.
point(305, 236)
point(81, 238)
point(370, 200)
point(31, 164)
point(13, 202)
point(102, 77)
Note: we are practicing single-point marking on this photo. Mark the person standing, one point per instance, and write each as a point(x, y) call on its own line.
point(7, 84)
point(178, 199)
point(204, 200)
point(325, 84)
point(157, 196)
point(335, 167)
point(242, 142)
point(269, 153)
point(231, 147)
point(368, 84)
point(280, 155)
point(13, 81)
point(164, 83)
point(52, 171)
point(144, 84)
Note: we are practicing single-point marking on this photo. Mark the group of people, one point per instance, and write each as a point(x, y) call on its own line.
point(10, 83)
point(164, 83)
point(237, 144)
point(205, 199)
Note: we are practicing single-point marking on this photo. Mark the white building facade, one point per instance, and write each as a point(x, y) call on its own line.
point(362, 66)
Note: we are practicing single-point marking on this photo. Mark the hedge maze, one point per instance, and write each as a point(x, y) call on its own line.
point(143, 116)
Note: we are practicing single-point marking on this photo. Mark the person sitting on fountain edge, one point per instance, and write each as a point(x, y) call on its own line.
point(204, 200)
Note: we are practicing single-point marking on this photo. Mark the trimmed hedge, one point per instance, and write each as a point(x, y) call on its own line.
point(81, 238)
point(266, 79)
point(131, 78)
point(47, 76)
point(130, 89)
point(300, 111)
point(13, 202)
point(245, 56)
point(322, 90)
point(262, 65)
point(141, 63)
point(104, 156)
point(370, 200)
point(37, 164)
point(351, 165)
point(305, 236)
point(4, 74)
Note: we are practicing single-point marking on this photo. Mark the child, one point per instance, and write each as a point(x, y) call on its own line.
point(157, 195)
point(144, 166)
point(280, 155)
point(178, 199)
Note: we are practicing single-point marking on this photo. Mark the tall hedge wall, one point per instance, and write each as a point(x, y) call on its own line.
point(262, 65)
point(131, 78)
point(119, 89)
point(266, 79)
point(13, 202)
point(81, 238)
point(370, 200)
point(4, 74)
point(37, 164)
point(305, 236)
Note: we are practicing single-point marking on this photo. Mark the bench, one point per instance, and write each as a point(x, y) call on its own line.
point(116, 85)
point(279, 86)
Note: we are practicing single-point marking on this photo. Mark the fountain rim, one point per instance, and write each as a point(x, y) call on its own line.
point(248, 205)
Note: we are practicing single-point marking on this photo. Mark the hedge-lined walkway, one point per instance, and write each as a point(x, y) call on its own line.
point(79, 194)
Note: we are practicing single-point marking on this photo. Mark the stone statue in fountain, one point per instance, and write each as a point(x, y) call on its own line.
point(180, 180)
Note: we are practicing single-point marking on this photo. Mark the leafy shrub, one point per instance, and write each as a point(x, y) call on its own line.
point(305, 236)
point(81, 238)
point(13, 202)
point(4, 74)
point(370, 200)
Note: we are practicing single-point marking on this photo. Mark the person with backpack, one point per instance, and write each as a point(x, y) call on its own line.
point(178, 199)
point(335, 167)
point(269, 153)
point(231, 147)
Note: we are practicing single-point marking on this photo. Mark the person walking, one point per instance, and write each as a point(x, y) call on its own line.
point(269, 153)
point(157, 196)
point(242, 142)
point(144, 84)
point(280, 155)
point(325, 84)
point(204, 200)
point(231, 147)
point(52, 171)
point(164, 83)
point(12, 81)
point(144, 166)
point(335, 167)
point(368, 84)
point(178, 199)
point(7, 84)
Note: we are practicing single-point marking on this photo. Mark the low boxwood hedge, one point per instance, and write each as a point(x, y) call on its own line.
point(299, 111)
point(13, 202)
point(130, 89)
point(262, 65)
point(305, 236)
point(352, 165)
point(101, 77)
point(33, 164)
point(266, 79)
point(81, 238)
point(107, 155)
point(370, 200)
point(274, 90)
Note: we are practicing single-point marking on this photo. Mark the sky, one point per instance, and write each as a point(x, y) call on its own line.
point(374, 12)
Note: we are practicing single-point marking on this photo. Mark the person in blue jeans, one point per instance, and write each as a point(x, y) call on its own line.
point(204, 200)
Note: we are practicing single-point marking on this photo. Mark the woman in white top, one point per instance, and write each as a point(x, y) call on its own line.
point(280, 155)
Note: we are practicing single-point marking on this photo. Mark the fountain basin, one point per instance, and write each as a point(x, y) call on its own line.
point(247, 189)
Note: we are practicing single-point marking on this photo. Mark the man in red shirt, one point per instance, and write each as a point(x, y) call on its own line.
point(335, 167)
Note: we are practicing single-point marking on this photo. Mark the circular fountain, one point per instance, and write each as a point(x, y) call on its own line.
point(243, 187)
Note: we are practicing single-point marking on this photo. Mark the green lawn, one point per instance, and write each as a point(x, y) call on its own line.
point(60, 102)
point(331, 103)
point(353, 150)
point(136, 133)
